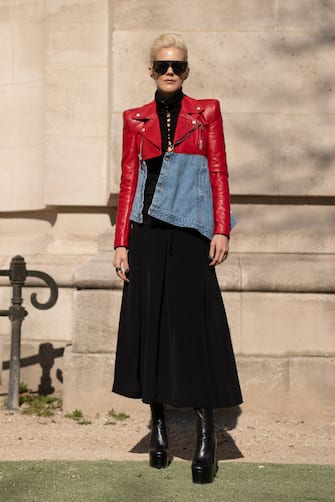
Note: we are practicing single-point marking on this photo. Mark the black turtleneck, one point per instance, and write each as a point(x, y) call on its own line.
point(164, 105)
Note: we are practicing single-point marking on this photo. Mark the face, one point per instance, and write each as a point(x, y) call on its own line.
point(169, 82)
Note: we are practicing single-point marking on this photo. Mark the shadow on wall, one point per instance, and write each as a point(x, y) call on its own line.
point(287, 147)
point(182, 434)
point(45, 358)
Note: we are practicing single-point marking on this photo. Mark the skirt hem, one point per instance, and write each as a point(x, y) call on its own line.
point(226, 404)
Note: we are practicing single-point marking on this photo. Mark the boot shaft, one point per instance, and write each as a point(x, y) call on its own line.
point(157, 412)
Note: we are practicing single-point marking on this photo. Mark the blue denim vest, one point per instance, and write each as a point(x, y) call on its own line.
point(183, 194)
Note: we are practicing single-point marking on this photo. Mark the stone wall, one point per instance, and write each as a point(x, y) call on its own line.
point(69, 68)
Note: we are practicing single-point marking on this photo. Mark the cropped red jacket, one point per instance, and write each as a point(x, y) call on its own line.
point(199, 131)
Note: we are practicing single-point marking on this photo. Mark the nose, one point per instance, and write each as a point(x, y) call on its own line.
point(170, 70)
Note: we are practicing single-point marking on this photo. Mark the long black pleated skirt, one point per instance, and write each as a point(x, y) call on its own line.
point(174, 344)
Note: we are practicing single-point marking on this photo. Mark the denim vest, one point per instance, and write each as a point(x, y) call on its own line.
point(183, 193)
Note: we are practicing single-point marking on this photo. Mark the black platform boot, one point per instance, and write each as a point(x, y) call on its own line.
point(158, 452)
point(204, 465)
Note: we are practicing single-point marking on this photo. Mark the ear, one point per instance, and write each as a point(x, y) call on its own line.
point(151, 71)
point(186, 74)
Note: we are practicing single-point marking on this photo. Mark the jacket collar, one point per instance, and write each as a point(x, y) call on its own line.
point(146, 119)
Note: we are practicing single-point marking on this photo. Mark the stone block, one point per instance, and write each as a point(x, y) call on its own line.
point(98, 273)
point(22, 115)
point(21, 174)
point(267, 154)
point(242, 67)
point(306, 15)
point(31, 368)
point(76, 171)
point(27, 10)
point(306, 162)
point(288, 273)
point(24, 235)
point(61, 267)
point(6, 44)
point(29, 51)
point(48, 325)
point(77, 101)
point(280, 324)
point(298, 385)
point(220, 15)
point(5, 12)
point(88, 380)
point(78, 231)
point(264, 382)
point(41, 325)
point(77, 32)
point(229, 273)
point(106, 240)
point(95, 321)
point(283, 229)
point(312, 384)
point(128, 92)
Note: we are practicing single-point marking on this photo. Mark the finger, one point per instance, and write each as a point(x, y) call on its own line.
point(212, 250)
point(219, 257)
point(125, 263)
point(214, 260)
point(123, 276)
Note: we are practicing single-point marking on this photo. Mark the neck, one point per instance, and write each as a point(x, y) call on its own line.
point(169, 98)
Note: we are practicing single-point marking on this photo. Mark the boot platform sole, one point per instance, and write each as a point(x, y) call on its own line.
point(204, 474)
point(158, 459)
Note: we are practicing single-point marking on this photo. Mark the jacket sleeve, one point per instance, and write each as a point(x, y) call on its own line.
point(218, 171)
point(129, 174)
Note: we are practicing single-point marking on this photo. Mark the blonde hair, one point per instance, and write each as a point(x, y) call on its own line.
point(166, 40)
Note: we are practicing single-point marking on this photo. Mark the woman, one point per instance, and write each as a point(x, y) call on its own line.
point(172, 229)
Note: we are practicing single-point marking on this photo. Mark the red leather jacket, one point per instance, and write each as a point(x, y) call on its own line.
point(199, 131)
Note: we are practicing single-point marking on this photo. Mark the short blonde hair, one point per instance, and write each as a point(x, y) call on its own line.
point(166, 40)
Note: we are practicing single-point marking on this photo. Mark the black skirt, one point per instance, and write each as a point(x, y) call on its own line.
point(174, 344)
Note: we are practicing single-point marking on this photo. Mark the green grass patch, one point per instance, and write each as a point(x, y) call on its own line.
point(135, 481)
point(42, 406)
point(114, 417)
point(78, 417)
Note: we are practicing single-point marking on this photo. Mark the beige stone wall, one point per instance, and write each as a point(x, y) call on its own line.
point(69, 68)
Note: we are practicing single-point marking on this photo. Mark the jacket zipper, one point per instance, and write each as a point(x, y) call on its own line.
point(199, 124)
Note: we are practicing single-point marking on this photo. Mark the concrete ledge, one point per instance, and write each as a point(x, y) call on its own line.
point(297, 385)
point(98, 273)
point(280, 272)
point(61, 267)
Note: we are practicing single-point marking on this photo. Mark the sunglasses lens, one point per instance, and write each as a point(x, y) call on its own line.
point(161, 67)
point(179, 67)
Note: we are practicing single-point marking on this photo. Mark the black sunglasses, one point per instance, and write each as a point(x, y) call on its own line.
point(161, 67)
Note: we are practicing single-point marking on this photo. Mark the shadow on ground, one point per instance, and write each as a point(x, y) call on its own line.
point(182, 434)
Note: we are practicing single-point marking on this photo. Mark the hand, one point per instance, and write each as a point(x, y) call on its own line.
point(120, 262)
point(218, 250)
